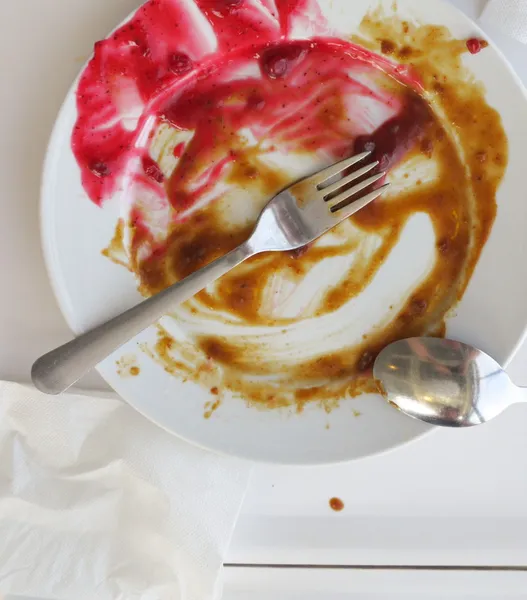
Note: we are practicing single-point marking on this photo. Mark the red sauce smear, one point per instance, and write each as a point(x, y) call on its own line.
point(172, 63)
point(394, 138)
point(286, 103)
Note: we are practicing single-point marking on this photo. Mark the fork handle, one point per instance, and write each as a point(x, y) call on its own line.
point(58, 370)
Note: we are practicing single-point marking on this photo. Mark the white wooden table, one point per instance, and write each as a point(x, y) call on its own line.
point(444, 517)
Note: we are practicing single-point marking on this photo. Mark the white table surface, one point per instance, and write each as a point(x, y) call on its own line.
point(373, 584)
point(454, 498)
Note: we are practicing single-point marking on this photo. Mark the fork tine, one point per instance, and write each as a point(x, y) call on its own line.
point(346, 211)
point(334, 187)
point(354, 190)
point(337, 168)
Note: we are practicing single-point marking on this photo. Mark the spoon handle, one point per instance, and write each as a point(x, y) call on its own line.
point(58, 370)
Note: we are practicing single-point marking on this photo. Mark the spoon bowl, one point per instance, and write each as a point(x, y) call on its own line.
point(444, 382)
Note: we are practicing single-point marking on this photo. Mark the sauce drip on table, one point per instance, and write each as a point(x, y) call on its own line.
point(336, 504)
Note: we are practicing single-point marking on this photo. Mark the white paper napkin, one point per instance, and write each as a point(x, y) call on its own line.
point(509, 15)
point(97, 502)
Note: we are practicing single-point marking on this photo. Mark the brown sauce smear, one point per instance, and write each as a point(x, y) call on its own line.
point(115, 250)
point(459, 132)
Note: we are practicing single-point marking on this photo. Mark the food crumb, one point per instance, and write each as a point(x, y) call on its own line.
point(336, 504)
point(475, 45)
point(443, 245)
point(127, 367)
point(356, 413)
point(481, 156)
point(387, 47)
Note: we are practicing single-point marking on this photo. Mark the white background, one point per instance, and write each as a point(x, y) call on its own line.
point(454, 498)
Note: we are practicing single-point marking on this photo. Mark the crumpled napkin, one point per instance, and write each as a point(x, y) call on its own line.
point(97, 502)
point(509, 15)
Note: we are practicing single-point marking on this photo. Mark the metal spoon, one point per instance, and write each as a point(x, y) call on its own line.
point(444, 382)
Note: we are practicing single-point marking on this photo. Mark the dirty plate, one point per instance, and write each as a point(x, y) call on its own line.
point(299, 334)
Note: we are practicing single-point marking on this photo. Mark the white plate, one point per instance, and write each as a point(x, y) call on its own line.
point(91, 289)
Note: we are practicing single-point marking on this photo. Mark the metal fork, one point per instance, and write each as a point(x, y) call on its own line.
point(295, 217)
